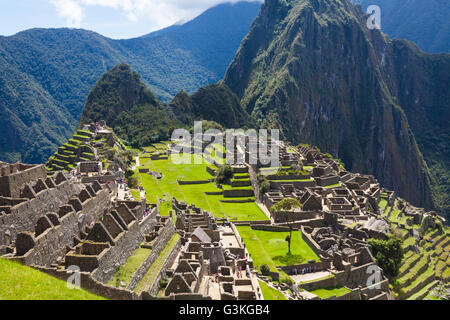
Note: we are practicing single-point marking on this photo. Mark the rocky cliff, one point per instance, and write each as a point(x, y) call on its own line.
point(313, 69)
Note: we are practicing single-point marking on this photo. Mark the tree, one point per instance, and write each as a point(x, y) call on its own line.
point(265, 269)
point(264, 187)
point(132, 181)
point(388, 253)
point(288, 239)
point(224, 174)
point(287, 204)
point(127, 157)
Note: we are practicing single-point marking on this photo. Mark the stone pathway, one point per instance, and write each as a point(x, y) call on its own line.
point(138, 164)
point(265, 210)
point(309, 276)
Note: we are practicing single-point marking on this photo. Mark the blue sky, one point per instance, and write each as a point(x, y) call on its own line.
point(117, 19)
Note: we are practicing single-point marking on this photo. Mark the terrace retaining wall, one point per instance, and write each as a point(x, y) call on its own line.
point(154, 288)
point(167, 234)
point(91, 285)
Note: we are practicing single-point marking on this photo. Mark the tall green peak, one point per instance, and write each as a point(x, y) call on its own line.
point(126, 104)
point(118, 90)
point(313, 69)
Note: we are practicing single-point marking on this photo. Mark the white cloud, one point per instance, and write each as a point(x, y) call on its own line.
point(160, 12)
point(71, 10)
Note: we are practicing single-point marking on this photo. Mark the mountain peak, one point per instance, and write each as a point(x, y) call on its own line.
point(122, 88)
point(314, 70)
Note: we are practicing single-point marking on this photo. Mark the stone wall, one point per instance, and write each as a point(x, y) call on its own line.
point(179, 296)
point(125, 244)
point(55, 232)
point(320, 266)
point(94, 207)
point(89, 166)
point(138, 208)
point(241, 183)
point(24, 216)
point(158, 246)
point(297, 184)
point(211, 170)
point(100, 178)
point(238, 193)
point(356, 276)
point(276, 177)
point(332, 282)
point(272, 228)
point(91, 285)
point(182, 183)
point(153, 290)
point(327, 180)
point(50, 246)
point(311, 243)
point(290, 216)
point(14, 176)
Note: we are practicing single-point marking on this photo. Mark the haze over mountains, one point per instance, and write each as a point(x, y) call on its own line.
point(424, 22)
point(46, 74)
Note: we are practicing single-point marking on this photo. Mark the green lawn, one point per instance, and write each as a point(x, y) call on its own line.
point(20, 282)
point(168, 187)
point(271, 248)
point(290, 149)
point(130, 267)
point(382, 204)
point(394, 215)
point(333, 186)
point(329, 292)
point(136, 194)
point(270, 293)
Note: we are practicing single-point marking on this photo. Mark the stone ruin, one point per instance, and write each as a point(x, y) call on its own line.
point(53, 223)
point(212, 263)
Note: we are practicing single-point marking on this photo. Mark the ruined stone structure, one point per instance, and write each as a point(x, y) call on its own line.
point(212, 263)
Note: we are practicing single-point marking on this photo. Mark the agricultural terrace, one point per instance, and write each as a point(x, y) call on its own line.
point(270, 293)
point(330, 292)
point(125, 272)
point(425, 262)
point(168, 187)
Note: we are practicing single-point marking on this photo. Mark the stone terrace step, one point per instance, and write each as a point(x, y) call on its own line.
point(408, 264)
point(424, 291)
point(419, 283)
point(420, 267)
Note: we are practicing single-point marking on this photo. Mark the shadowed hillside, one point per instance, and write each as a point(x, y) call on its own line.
point(46, 74)
point(313, 69)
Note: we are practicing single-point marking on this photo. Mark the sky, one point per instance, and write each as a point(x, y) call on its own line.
point(117, 19)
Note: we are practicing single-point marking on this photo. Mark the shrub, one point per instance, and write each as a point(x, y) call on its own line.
point(163, 283)
point(264, 187)
point(265, 269)
point(287, 281)
point(224, 174)
point(286, 205)
point(132, 181)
